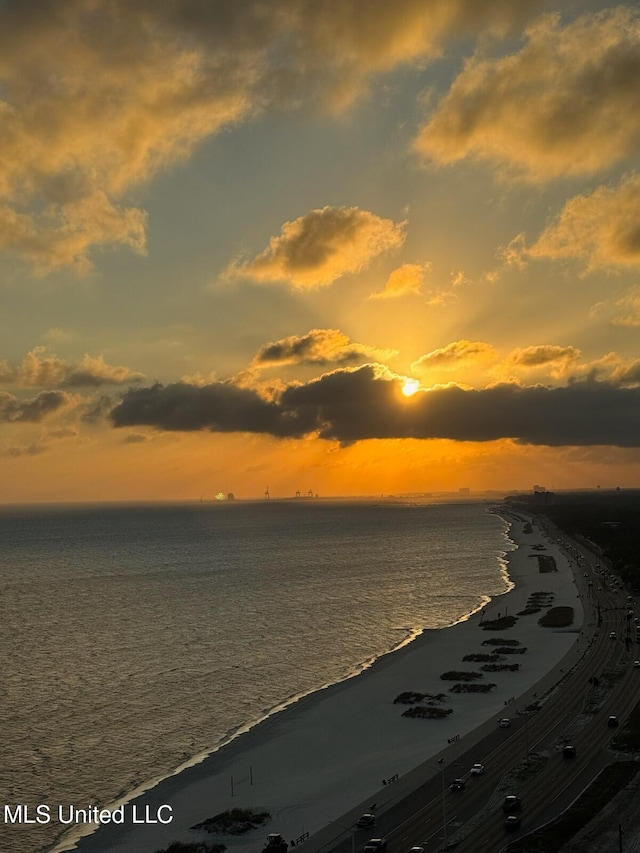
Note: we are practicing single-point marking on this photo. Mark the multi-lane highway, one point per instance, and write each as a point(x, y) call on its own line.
point(472, 820)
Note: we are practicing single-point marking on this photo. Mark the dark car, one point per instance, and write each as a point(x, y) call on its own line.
point(375, 845)
point(512, 822)
point(458, 785)
point(612, 722)
point(569, 752)
point(366, 820)
point(511, 804)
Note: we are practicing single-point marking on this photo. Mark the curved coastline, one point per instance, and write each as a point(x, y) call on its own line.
point(273, 725)
point(69, 839)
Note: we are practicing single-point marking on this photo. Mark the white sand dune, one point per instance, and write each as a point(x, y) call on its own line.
point(327, 755)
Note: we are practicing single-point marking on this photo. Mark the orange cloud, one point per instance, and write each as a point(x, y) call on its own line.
point(34, 409)
point(97, 97)
point(322, 246)
point(453, 355)
point(578, 82)
point(38, 369)
point(404, 280)
point(318, 346)
point(559, 360)
point(598, 229)
point(627, 309)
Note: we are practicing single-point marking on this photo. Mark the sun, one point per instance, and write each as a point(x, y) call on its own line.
point(410, 387)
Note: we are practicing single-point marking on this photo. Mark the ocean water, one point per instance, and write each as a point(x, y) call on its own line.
point(137, 638)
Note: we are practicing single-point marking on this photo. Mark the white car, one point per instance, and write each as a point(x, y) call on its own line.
point(504, 723)
point(477, 770)
point(375, 845)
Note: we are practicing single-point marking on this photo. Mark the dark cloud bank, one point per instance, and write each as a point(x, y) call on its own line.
point(353, 405)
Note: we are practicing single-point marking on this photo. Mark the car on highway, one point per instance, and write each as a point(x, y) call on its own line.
point(612, 722)
point(366, 820)
point(511, 804)
point(612, 635)
point(458, 785)
point(512, 822)
point(636, 664)
point(504, 723)
point(375, 845)
point(569, 751)
point(419, 849)
point(477, 770)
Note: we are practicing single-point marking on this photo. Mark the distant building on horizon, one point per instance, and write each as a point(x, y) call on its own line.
point(464, 491)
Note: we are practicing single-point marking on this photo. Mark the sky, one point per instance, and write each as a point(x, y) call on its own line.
point(348, 248)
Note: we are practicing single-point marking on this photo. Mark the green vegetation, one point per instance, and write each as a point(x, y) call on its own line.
point(552, 837)
point(454, 675)
point(233, 821)
point(427, 712)
point(192, 847)
point(528, 611)
point(499, 641)
point(509, 650)
point(528, 768)
point(500, 624)
point(628, 738)
point(607, 518)
point(557, 617)
point(500, 667)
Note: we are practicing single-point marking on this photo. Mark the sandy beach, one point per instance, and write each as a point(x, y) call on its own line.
point(325, 758)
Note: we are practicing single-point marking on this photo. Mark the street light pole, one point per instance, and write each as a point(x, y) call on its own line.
point(351, 829)
point(444, 801)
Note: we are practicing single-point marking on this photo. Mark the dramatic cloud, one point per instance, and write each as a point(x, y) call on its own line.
point(220, 407)
point(579, 85)
point(318, 346)
point(47, 371)
point(600, 229)
point(558, 359)
point(408, 278)
point(353, 405)
point(33, 410)
point(454, 354)
point(321, 246)
point(97, 97)
point(627, 375)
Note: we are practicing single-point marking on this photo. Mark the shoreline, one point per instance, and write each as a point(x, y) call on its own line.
point(380, 745)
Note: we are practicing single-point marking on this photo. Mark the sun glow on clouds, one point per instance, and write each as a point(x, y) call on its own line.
point(410, 387)
point(521, 351)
